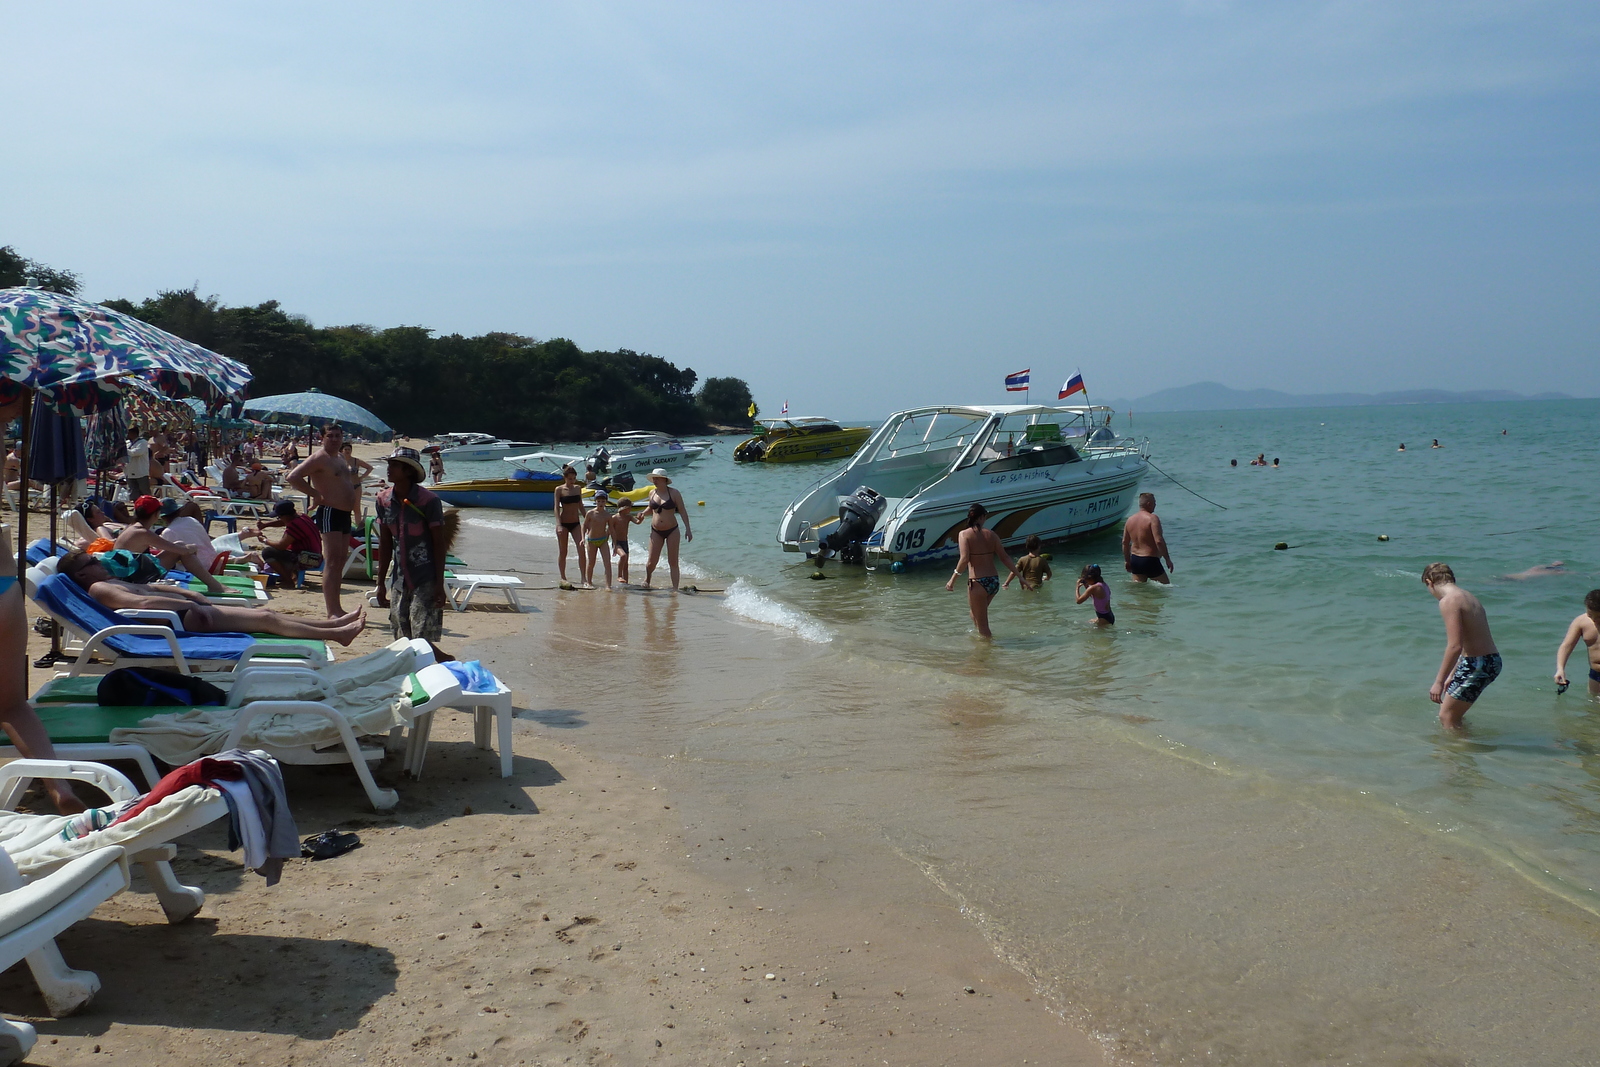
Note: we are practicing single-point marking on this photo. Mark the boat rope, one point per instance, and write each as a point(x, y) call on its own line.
point(1180, 485)
point(1508, 533)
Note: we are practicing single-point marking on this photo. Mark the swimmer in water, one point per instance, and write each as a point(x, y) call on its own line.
point(1090, 584)
point(1436, 443)
point(1033, 569)
point(1471, 660)
point(1402, 447)
point(1585, 628)
point(1543, 570)
point(979, 550)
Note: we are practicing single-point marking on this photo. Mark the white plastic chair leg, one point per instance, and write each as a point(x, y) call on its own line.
point(178, 901)
point(16, 1040)
point(65, 990)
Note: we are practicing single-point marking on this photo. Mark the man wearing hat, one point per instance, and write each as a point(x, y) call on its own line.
point(257, 485)
point(411, 536)
point(139, 537)
point(181, 519)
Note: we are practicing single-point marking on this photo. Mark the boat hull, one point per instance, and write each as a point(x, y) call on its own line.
point(514, 494)
point(484, 453)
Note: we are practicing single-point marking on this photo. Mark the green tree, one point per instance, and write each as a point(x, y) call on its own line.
point(725, 400)
point(16, 270)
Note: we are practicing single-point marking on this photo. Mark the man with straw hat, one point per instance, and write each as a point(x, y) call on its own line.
point(411, 535)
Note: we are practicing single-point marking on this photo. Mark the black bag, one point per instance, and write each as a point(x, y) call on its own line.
point(146, 687)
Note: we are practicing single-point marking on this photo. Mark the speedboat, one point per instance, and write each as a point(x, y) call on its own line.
point(640, 451)
point(801, 439)
point(478, 447)
point(523, 491)
point(1053, 471)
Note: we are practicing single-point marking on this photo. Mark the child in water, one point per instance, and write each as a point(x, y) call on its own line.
point(1090, 584)
point(619, 535)
point(1033, 569)
point(597, 537)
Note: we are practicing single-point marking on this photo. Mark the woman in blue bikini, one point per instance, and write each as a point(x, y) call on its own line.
point(979, 548)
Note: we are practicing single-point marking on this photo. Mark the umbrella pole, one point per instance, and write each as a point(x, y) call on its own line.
point(22, 491)
point(54, 656)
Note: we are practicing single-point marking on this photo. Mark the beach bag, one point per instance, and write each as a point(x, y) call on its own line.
point(99, 545)
point(139, 568)
point(145, 687)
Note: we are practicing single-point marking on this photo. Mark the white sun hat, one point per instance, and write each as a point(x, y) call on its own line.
point(660, 472)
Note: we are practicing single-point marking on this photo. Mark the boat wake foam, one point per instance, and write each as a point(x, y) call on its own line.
point(746, 600)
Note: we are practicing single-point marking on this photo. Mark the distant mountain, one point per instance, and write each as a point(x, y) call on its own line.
point(1214, 396)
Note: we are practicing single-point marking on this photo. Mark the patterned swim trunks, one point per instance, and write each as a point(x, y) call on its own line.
point(416, 612)
point(1472, 676)
point(990, 583)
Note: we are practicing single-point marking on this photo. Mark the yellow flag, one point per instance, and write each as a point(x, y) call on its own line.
point(752, 411)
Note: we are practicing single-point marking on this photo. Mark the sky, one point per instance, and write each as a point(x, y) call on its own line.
point(853, 207)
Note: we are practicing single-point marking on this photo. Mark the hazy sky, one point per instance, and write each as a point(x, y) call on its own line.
point(853, 207)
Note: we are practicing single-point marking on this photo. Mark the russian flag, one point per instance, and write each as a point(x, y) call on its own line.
point(785, 410)
point(1018, 382)
point(1074, 385)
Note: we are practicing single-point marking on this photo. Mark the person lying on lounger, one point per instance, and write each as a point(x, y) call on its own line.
point(197, 614)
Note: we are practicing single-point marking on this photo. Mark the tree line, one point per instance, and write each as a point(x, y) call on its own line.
point(423, 383)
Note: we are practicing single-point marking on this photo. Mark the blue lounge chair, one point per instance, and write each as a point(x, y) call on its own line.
point(122, 637)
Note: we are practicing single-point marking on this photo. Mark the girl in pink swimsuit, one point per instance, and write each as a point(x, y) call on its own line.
point(1090, 584)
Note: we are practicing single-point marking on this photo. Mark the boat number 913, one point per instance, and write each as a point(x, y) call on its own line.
point(909, 539)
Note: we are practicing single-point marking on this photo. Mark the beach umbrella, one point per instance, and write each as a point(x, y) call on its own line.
point(55, 455)
point(298, 407)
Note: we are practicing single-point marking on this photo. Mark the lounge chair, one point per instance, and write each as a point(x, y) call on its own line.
point(33, 913)
point(294, 730)
point(460, 587)
point(128, 641)
point(33, 843)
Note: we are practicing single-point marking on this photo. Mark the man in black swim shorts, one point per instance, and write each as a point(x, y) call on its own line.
point(326, 476)
point(1143, 544)
point(331, 520)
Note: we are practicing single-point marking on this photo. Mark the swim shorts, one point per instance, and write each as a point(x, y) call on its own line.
point(1146, 566)
point(1594, 675)
point(332, 520)
point(990, 583)
point(1108, 616)
point(415, 612)
point(1472, 676)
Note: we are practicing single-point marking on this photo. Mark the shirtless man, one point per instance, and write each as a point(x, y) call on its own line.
point(197, 614)
point(1471, 660)
point(1585, 628)
point(326, 476)
point(139, 537)
point(257, 485)
point(1143, 544)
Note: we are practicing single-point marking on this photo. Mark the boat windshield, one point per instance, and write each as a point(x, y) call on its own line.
point(1011, 434)
point(924, 439)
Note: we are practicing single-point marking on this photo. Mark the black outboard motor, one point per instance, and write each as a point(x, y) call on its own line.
point(858, 516)
point(600, 462)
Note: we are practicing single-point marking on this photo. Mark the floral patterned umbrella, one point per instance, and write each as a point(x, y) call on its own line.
point(74, 352)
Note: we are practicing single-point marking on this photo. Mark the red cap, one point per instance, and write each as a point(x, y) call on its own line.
point(146, 505)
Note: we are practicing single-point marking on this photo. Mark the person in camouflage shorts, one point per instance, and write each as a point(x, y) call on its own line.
point(411, 536)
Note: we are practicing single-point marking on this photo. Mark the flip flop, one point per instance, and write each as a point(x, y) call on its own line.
point(328, 844)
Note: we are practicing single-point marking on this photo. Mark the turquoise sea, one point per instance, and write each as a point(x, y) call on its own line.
point(1312, 663)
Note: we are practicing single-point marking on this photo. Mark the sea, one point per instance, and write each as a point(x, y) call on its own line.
point(1227, 829)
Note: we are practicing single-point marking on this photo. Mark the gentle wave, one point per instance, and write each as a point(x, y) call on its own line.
point(746, 600)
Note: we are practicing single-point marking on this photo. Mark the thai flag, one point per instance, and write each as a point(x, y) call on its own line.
point(1018, 382)
point(785, 410)
point(1074, 385)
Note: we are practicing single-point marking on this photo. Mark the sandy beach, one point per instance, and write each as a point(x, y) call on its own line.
point(572, 913)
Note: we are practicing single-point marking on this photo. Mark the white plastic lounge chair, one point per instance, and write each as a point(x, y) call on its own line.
point(33, 913)
point(460, 587)
point(491, 715)
point(32, 843)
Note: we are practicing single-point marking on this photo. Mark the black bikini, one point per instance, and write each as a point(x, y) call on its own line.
point(658, 506)
point(564, 500)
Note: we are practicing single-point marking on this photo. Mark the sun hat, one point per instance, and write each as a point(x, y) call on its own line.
point(409, 456)
point(171, 507)
point(146, 506)
point(660, 472)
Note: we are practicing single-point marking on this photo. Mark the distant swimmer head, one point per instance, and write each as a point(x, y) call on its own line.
point(1233, 463)
point(975, 515)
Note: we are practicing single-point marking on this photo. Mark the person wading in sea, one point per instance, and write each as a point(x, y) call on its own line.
point(1143, 544)
point(326, 476)
point(979, 549)
point(1585, 628)
point(1471, 660)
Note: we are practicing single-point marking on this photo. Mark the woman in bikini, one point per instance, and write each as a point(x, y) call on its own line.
point(979, 547)
point(665, 505)
point(569, 515)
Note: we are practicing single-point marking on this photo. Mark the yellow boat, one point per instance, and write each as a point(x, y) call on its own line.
point(800, 440)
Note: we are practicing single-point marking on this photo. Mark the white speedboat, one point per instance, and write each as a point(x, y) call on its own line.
point(641, 451)
point(903, 498)
point(478, 447)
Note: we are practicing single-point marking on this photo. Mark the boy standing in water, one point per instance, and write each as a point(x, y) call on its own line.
point(596, 538)
point(619, 535)
point(1585, 628)
point(1033, 569)
point(1471, 660)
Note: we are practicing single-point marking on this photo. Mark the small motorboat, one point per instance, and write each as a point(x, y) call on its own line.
point(1053, 471)
point(800, 440)
point(641, 451)
point(478, 447)
point(523, 491)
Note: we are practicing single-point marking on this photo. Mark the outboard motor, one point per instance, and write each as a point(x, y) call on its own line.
point(858, 516)
point(623, 482)
point(600, 462)
point(751, 451)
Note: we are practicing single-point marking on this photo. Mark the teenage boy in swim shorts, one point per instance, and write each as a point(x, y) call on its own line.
point(596, 539)
point(1471, 660)
point(1585, 628)
point(1143, 544)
